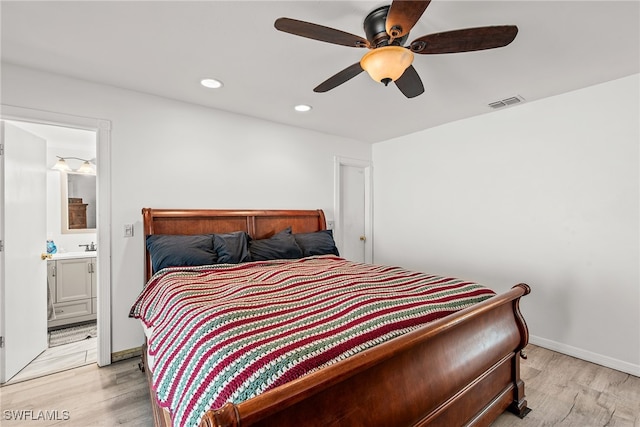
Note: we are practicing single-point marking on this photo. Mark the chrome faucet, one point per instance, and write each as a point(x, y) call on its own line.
point(90, 247)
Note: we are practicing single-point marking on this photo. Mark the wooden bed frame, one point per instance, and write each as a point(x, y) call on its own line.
point(461, 370)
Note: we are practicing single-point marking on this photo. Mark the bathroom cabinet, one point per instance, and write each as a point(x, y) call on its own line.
point(73, 290)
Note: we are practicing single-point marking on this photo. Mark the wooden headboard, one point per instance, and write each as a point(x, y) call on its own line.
point(259, 224)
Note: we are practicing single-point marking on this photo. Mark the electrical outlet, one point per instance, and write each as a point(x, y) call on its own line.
point(330, 224)
point(128, 230)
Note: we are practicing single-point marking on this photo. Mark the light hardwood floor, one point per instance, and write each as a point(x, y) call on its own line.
point(564, 391)
point(561, 390)
point(59, 358)
point(84, 397)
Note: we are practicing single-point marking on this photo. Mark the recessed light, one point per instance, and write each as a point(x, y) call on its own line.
point(211, 83)
point(302, 108)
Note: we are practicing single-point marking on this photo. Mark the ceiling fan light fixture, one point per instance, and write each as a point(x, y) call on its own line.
point(386, 63)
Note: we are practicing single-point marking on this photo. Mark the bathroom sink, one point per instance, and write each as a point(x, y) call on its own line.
point(77, 254)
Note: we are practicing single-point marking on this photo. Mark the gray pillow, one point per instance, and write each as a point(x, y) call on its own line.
point(279, 246)
point(317, 243)
point(167, 250)
point(232, 248)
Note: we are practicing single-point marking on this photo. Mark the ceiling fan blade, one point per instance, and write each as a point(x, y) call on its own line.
point(339, 78)
point(466, 40)
point(319, 32)
point(403, 15)
point(410, 83)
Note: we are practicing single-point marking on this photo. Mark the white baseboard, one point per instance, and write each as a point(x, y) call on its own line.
point(589, 356)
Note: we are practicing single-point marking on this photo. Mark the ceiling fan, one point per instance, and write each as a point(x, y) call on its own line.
point(387, 29)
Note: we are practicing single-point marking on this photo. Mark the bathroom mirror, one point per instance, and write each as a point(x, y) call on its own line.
point(78, 201)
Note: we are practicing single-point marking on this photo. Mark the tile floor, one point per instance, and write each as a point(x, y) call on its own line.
point(60, 358)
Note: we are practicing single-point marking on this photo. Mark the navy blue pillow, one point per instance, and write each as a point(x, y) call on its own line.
point(279, 246)
point(168, 250)
point(232, 248)
point(318, 243)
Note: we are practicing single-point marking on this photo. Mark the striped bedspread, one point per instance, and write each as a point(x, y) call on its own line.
point(226, 333)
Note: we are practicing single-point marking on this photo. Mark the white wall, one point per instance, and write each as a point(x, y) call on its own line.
point(545, 193)
point(168, 154)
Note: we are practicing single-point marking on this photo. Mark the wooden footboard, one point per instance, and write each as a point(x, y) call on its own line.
point(460, 370)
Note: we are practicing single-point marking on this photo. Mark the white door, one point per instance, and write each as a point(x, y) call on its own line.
point(23, 274)
point(352, 214)
point(353, 209)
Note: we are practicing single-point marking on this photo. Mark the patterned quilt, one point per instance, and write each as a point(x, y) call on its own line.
point(226, 333)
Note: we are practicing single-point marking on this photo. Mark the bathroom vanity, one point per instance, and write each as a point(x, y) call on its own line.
point(72, 282)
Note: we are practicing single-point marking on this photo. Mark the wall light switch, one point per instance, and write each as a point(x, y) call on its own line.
point(128, 230)
point(330, 224)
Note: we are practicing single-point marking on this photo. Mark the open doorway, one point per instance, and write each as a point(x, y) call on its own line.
point(71, 236)
point(102, 129)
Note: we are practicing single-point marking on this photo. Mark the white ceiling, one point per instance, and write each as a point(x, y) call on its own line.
point(166, 47)
point(63, 138)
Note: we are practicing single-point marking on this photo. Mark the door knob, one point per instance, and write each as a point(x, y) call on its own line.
point(44, 256)
point(363, 238)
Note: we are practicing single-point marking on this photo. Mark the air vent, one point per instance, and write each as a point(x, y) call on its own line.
point(506, 102)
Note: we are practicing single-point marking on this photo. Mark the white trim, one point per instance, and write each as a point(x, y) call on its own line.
point(103, 146)
point(2, 311)
point(368, 202)
point(589, 356)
